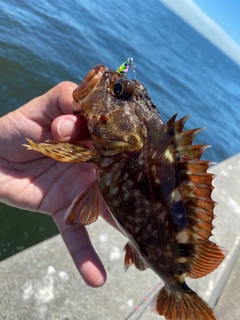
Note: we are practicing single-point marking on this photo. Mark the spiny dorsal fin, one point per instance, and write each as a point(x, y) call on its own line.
point(195, 188)
point(176, 127)
point(186, 138)
point(193, 152)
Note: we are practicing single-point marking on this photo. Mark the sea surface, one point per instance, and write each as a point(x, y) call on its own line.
point(43, 43)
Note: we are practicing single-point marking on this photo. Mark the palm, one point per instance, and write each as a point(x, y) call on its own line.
point(46, 185)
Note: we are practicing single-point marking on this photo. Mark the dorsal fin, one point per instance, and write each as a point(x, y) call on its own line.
point(195, 187)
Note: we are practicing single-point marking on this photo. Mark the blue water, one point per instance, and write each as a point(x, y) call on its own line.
point(43, 43)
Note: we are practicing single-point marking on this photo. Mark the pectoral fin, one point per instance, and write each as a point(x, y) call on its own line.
point(63, 151)
point(85, 207)
point(133, 257)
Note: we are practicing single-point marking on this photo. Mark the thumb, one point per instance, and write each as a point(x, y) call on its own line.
point(69, 127)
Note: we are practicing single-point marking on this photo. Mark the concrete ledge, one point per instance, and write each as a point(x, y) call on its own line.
point(42, 282)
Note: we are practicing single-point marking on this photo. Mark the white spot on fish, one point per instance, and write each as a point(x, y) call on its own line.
point(124, 188)
point(136, 193)
point(137, 229)
point(182, 237)
point(126, 196)
point(125, 177)
point(130, 183)
point(182, 260)
point(114, 190)
point(116, 203)
point(145, 202)
point(138, 210)
point(168, 252)
point(108, 179)
point(158, 205)
point(176, 195)
point(169, 156)
point(147, 210)
point(154, 155)
point(115, 254)
point(139, 178)
point(162, 217)
point(154, 170)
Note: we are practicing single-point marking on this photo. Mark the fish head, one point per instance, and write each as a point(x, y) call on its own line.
point(111, 104)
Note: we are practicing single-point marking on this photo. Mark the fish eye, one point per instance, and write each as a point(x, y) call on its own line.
point(118, 88)
point(123, 89)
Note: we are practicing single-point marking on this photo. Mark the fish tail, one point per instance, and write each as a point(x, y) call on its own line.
point(182, 306)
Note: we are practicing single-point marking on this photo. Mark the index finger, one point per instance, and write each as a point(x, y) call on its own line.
point(83, 254)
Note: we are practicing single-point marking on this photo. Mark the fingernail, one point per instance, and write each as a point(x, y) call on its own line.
point(65, 127)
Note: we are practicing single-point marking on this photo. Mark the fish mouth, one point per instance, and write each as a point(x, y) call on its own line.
point(87, 86)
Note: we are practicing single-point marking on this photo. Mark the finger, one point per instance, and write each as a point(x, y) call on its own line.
point(34, 119)
point(58, 100)
point(70, 128)
point(83, 254)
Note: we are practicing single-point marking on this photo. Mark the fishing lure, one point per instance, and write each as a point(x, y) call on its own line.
point(124, 67)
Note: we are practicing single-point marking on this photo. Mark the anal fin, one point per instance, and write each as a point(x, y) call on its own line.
point(133, 257)
point(85, 207)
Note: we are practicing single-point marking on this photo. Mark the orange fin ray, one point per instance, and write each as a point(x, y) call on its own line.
point(133, 257)
point(63, 151)
point(176, 126)
point(181, 306)
point(186, 138)
point(85, 207)
point(197, 190)
point(195, 212)
point(208, 257)
point(194, 165)
point(199, 178)
point(201, 202)
point(193, 151)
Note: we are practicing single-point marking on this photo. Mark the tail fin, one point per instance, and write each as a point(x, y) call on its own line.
point(181, 306)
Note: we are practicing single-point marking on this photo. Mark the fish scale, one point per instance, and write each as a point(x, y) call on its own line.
point(152, 180)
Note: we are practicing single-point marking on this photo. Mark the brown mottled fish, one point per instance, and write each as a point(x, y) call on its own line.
point(153, 182)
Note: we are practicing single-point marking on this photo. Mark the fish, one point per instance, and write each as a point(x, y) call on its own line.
point(154, 183)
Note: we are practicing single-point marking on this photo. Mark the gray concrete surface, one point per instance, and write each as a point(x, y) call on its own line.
point(42, 282)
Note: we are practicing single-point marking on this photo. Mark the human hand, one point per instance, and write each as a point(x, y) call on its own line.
point(31, 181)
